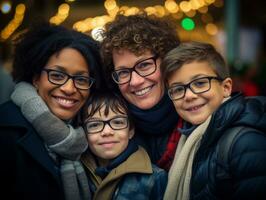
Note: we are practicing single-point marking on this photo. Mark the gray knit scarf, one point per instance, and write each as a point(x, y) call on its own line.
point(63, 142)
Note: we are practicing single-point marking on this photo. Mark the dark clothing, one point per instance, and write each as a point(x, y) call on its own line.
point(247, 158)
point(134, 178)
point(27, 171)
point(154, 126)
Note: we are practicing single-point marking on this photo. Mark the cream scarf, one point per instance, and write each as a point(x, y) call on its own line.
point(180, 172)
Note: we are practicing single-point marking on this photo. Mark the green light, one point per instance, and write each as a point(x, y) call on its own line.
point(188, 24)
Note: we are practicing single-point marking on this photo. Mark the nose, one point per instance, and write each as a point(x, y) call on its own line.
point(107, 130)
point(136, 79)
point(69, 87)
point(189, 95)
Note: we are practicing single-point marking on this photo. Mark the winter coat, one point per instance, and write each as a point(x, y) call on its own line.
point(26, 169)
point(247, 158)
point(135, 178)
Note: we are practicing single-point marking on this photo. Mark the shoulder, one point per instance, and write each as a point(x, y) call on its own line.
point(12, 115)
point(248, 153)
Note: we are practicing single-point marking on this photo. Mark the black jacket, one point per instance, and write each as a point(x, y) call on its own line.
point(247, 160)
point(26, 169)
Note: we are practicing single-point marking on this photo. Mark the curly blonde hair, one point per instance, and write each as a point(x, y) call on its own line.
point(137, 33)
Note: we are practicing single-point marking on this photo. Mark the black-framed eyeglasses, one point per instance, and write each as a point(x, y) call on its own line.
point(143, 68)
point(197, 86)
point(96, 126)
point(60, 78)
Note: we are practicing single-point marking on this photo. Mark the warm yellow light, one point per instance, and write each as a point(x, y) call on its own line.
point(110, 4)
point(171, 6)
point(209, 1)
point(194, 4)
point(131, 11)
point(211, 29)
point(113, 12)
point(55, 20)
point(150, 10)
point(160, 10)
point(185, 6)
point(63, 9)
point(20, 9)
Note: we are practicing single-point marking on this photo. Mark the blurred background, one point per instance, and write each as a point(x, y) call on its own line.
point(237, 28)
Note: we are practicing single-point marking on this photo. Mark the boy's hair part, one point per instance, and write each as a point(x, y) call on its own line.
point(189, 52)
point(109, 101)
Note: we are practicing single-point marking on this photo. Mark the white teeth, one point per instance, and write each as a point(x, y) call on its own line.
point(142, 92)
point(65, 101)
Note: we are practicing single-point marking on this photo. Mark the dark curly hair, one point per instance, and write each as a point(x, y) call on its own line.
point(34, 48)
point(137, 33)
point(111, 100)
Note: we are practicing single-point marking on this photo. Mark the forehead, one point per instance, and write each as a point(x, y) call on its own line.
point(107, 112)
point(124, 57)
point(70, 60)
point(189, 71)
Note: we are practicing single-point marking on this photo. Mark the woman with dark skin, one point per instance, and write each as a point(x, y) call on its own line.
point(132, 50)
point(55, 69)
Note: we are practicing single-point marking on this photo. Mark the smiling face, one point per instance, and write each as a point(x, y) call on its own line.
point(108, 143)
point(66, 100)
point(143, 92)
point(195, 108)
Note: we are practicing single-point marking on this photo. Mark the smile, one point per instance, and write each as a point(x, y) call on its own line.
point(108, 144)
point(143, 91)
point(65, 102)
point(195, 108)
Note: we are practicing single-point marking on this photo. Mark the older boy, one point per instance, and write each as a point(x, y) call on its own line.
point(199, 85)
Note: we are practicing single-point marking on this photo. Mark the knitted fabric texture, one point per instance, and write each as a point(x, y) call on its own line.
point(61, 139)
point(180, 172)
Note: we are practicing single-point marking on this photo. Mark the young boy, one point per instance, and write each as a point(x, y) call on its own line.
point(116, 166)
point(200, 87)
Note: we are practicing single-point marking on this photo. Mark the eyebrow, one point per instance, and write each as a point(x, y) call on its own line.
point(137, 62)
point(191, 79)
point(60, 68)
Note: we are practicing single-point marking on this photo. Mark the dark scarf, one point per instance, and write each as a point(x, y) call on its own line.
point(160, 119)
point(104, 171)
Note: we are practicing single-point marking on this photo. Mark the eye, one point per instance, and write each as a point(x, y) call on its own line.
point(93, 125)
point(177, 89)
point(123, 73)
point(119, 122)
point(199, 83)
point(57, 75)
point(82, 80)
point(145, 65)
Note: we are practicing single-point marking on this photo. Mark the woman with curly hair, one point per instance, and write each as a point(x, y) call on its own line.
point(132, 50)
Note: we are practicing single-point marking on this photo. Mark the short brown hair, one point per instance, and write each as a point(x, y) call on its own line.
point(108, 99)
point(189, 52)
point(137, 33)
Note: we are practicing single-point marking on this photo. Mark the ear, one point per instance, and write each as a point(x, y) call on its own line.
point(131, 133)
point(227, 87)
point(35, 81)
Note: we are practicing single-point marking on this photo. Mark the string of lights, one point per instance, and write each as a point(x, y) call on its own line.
point(183, 12)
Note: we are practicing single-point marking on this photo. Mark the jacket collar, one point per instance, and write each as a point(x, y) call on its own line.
point(30, 141)
point(32, 144)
